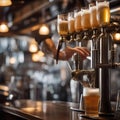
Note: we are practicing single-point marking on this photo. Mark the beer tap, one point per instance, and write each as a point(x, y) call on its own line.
point(62, 27)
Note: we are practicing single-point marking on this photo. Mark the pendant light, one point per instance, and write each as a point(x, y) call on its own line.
point(4, 27)
point(5, 2)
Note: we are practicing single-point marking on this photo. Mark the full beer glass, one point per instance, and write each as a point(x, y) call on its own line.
point(103, 12)
point(93, 16)
point(78, 27)
point(85, 21)
point(71, 25)
point(62, 28)
point(91, 101)
point(62, 24)
point(77, 15)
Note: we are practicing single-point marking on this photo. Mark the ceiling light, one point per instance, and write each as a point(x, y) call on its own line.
point(5, 2)
point(4, 27)
point(44, 30)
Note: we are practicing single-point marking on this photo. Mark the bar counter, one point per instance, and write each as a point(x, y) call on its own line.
point(37, 110)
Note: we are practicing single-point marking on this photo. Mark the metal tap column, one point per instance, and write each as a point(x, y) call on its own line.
point(105, 105)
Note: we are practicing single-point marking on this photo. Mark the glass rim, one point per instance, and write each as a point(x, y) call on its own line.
point(101, 1)
point(92, 5)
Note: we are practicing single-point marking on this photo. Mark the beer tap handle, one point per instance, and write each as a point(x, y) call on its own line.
point(58, 50)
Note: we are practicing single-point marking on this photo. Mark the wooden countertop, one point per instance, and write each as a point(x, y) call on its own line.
point(48, 110)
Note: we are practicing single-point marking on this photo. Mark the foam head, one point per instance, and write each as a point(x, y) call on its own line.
point(90, 91)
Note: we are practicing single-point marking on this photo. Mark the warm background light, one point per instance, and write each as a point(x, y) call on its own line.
point(116, 36)
point(12, 60)
point(44, 30)
point(37, 56)
point(4, 27)
point(33, 47)
point(5, 2)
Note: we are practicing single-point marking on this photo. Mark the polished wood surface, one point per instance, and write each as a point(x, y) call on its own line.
point(48, 110)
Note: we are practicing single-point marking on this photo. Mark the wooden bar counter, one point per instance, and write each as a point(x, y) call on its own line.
point(37, 110)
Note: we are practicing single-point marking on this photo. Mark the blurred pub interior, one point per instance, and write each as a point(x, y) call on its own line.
point(27, 68)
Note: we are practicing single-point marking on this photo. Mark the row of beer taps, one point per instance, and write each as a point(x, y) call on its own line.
point(96, 26)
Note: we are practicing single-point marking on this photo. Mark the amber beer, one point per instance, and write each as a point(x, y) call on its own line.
point(62, 25)
point(91, 101)
point(78, 26)
point(85, 21)
point(93, 16)
point(103, 13)
point(71, 22)
point(63, 28)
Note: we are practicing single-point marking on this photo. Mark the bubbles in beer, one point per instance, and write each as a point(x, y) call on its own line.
point(78, 26)
point(103, 13)
point(63, 27)
point(85, 21)
point(93, 16)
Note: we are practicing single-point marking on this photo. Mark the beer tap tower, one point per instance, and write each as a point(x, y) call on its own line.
point(102, 56)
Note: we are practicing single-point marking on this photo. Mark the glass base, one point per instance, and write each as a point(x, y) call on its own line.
point(97, 117)
point(77, 110)
point(94, 117)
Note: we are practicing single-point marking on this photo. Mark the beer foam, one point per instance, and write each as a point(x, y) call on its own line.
point(90, 91)
point(63, 22)
point(71, 19)
point(78, 14)
point(103, 4)
point(93, 8)
point(85, 12)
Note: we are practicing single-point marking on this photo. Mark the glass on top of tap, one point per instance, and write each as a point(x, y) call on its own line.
point(85, 21)
point(62, 24)
point(71, 22)
point(103, 12)
point(77, 15)
point(93, 16)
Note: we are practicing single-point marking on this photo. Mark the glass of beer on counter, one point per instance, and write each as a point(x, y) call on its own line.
point(91, 101)
point(103, 12)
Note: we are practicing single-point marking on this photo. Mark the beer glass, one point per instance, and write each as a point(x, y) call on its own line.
point(93, 16)
point(62, 24)
point(62, 28)
point(85, 23)
point(94, 25)
point(78, 27)
point(77, 15)
point(103, 12)
point(91, 101)
point(71, 25)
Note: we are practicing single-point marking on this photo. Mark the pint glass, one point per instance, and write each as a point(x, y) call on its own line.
point(93, 16)
point(77, 15)
point(71, 22)
point(91, 101)
point(85, 21)
point(62, 24)
point(103, 12)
